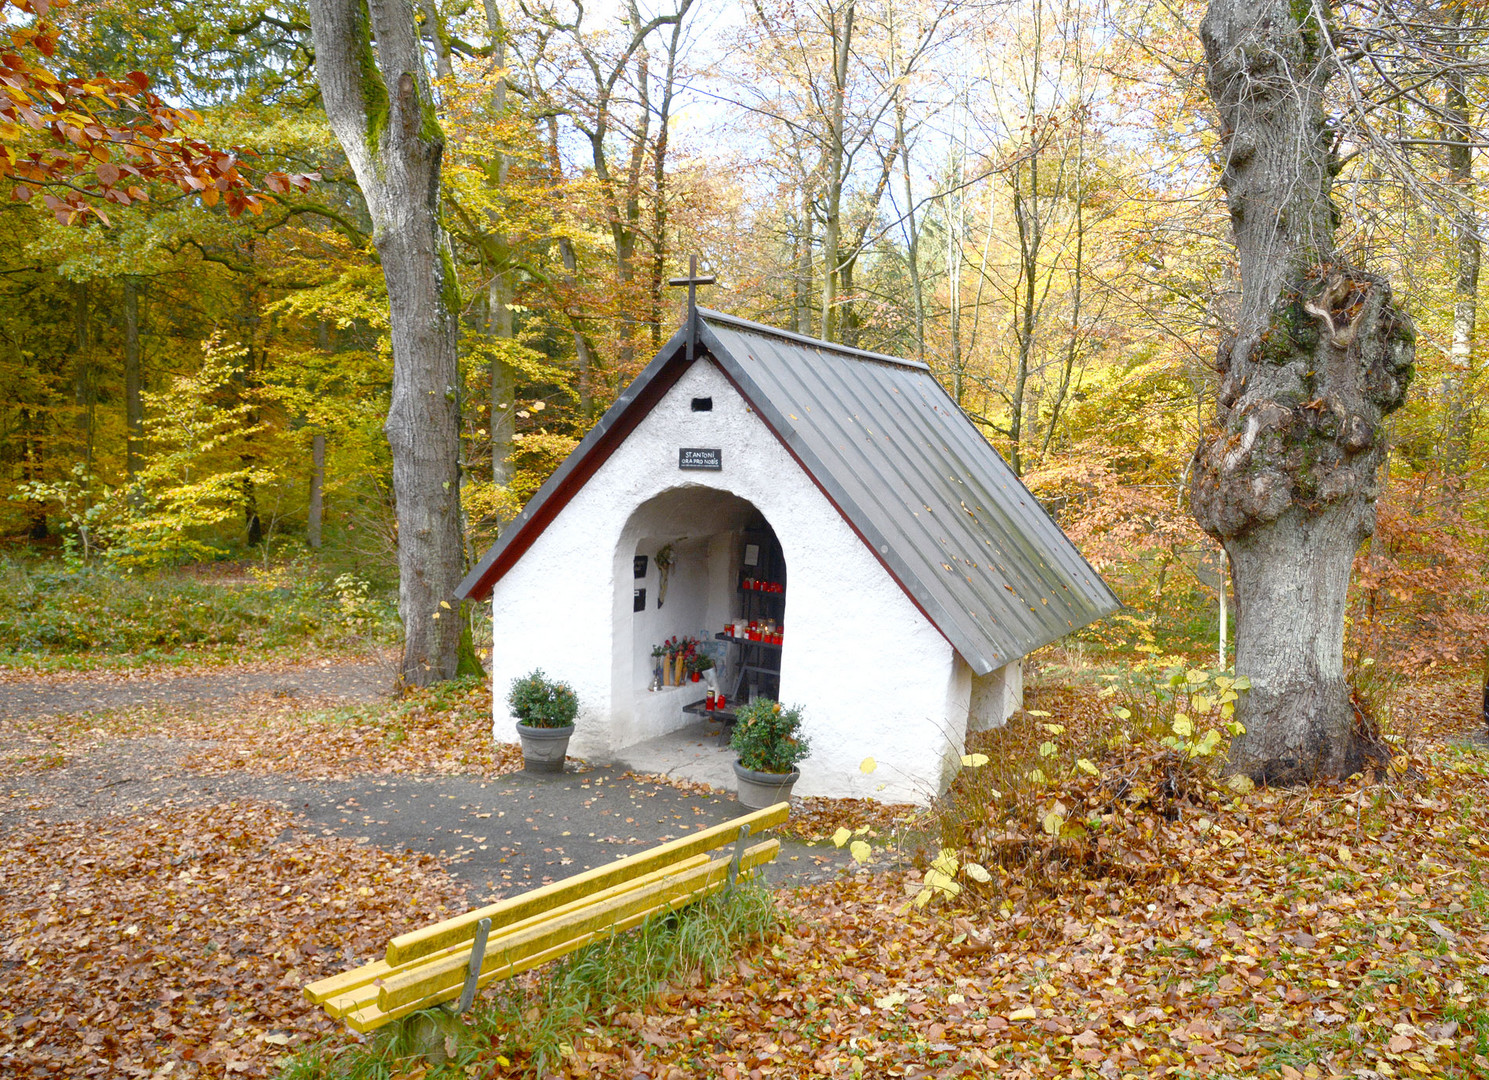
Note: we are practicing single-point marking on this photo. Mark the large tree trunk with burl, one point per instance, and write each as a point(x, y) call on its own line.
point(379, 104)
point(1286, 479)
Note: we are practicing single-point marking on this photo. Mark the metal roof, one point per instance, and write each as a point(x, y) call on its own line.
point(912, 476)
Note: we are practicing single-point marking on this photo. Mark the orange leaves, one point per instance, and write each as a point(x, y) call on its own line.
point(40, 112)
point(175, 945)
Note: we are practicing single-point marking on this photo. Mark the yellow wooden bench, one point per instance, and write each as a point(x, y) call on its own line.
point(451, 960)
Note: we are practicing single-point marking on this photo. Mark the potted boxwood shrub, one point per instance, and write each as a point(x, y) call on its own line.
point(545, 712)
point(769, 743)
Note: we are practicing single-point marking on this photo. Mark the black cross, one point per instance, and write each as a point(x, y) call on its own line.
point(692, 281)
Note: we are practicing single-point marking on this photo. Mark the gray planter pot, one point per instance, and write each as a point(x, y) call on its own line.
point(544, 748)
point(757, 790)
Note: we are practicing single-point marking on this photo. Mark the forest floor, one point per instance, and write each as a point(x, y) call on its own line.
point(178, 861)
point(184, 848)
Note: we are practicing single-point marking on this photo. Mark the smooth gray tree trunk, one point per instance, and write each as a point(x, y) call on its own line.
point(1286, 478)
point(134, 402)
point(317, 491)
point(499, 293)
point(380, 107)
point(1459, 132)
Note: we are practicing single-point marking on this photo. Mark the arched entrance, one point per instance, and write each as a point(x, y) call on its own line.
point(724, 566)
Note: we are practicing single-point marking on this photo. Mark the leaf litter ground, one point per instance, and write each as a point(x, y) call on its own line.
point(1336, 932)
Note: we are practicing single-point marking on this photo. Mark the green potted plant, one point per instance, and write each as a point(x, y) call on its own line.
point(769, 742)
point(545, 712)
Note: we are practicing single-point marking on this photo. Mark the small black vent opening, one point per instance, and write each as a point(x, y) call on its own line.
point(703, 404)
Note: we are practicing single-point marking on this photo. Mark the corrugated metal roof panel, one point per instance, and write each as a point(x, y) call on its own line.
point(944, 512)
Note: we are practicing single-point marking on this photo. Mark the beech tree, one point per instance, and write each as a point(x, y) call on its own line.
point(370, 65)
point(1286, 479)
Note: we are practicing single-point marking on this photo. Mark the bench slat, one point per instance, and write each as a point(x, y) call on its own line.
point(350, 990)
point(371, 1016)
point(545, 934)
point(430, 939)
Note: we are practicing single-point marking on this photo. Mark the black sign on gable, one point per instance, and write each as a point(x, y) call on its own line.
point(695, 457)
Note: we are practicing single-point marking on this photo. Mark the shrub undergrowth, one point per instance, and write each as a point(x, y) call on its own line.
point(53, 616)
point(527, 1028)
point(1100, 783)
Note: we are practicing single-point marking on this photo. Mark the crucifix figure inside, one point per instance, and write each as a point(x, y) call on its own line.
point(692, 281)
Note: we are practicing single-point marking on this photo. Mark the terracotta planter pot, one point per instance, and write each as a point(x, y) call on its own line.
point(757, 790)
point(544, 749)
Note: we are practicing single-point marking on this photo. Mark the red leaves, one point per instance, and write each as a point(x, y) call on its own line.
point(147, 144)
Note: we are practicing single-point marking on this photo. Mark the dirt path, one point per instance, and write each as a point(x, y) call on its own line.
point(498, 833)
point(23, 696)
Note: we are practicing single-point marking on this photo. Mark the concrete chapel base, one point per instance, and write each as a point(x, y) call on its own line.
point(873, 676)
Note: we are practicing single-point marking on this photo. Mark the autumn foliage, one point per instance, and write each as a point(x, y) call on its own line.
point(81, 142)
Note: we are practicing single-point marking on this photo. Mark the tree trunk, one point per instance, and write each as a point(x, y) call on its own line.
point(503, 383)
point(134, 403)
point(85, 376)
point(912, 233)
point(382, 112)
point(1286, 479)
point(499, 293)
point(802, 285)
point(659, 189)
point(1460, 133)
point(842, 39)
point(317, 491)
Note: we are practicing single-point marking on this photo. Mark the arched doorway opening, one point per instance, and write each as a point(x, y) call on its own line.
point(722, 568)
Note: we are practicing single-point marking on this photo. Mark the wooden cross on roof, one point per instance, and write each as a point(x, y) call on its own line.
point(692, 281)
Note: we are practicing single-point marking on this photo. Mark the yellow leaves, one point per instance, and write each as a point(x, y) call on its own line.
point(1054, 820)
point(1025, 1013)
point(1086, 765)
point(867, 765)
point(1344, 853)
point(1054, 729)
point(1200, 704)
point(977, 872)
point(1036, 712)
point(1241, 785)
point(974, 761)
point(860, 851)
point(1183, 726)
point(841, 837)
point(1206, 745)
point(1048, 749)
point(939, 879)
point(1036, 776)
point(890, 1000)
point(1121, 714)
point(1194, 676)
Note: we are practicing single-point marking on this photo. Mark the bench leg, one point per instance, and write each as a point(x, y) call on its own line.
point(473, 972)
point(739, 847)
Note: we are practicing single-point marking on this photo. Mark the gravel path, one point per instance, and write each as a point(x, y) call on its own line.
point(501, 835)
point(23, 696)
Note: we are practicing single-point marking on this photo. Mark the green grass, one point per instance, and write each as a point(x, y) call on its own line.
point(53, 617)
point(532, 1026)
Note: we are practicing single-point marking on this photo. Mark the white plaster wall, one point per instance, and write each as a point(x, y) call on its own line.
point(875, 678)
point(996, 696)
